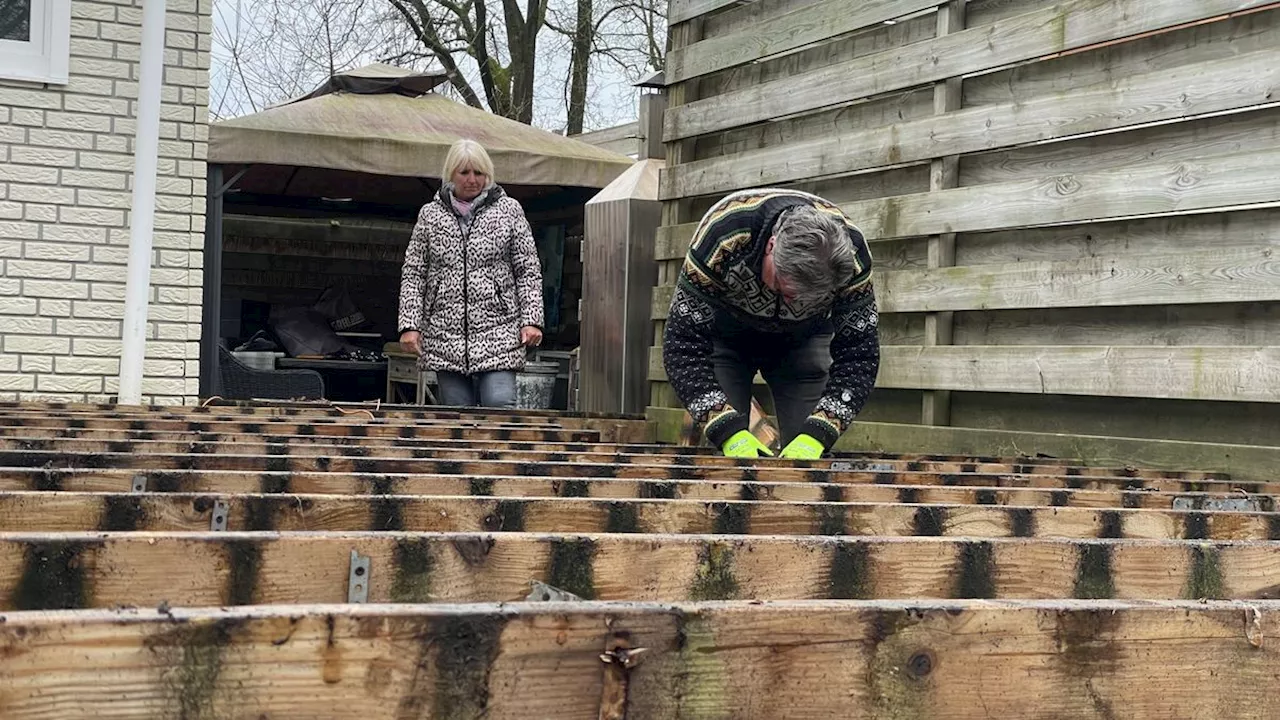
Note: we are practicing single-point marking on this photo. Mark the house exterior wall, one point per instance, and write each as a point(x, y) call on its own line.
point(66, 168)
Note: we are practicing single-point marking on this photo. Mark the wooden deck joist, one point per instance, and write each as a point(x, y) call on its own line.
point(611, 430)
point(572, 453)
point(326, 408)
point(81, 570)
point(318, 420)
point(330, 410)
point(73, 428)
point(292, 427)
point(959, 660)
point(31, 439)
point(1021, 492)
point(186, 512)
point(490, 468)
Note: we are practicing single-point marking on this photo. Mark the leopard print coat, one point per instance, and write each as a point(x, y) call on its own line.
point(469, 289)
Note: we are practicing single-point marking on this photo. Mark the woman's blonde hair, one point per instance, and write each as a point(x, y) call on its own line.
point(467, 153)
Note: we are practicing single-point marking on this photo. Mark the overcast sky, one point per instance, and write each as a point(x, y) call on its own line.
point(282, 54)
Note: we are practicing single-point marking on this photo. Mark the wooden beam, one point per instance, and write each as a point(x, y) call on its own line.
point(805, 25)
point(1228, 181)
point(1241, 374)
point(33, 512)
point(1158, 188)
point(953, 659)
point(361, 412)
point(749, 13)
point(1227, 275)
point(944, 174)
point(1232, 275)
point(659, 456)
point(1244, 462)
point(129, 463)
point(35, 439)
point(955, 489)
point(1233, 83)
point(1062, 27)
point(307, 427)
point(683, 10)
point(352, 443)
point(84, 570)
point(678, 151)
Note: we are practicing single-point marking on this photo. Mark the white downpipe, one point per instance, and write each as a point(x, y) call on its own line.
point(146, 146)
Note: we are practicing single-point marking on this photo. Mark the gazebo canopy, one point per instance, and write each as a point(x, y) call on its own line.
point(378, 133)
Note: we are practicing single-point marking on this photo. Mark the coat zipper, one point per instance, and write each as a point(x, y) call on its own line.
point(466, 306)
point(466, 287)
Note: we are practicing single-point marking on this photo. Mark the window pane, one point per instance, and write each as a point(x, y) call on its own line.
point(15, 20)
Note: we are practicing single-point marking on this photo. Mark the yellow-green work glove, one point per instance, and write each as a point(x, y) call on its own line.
point(803, 447)
point(745, 445)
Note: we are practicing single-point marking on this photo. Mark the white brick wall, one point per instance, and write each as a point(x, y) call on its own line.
point(64, 212)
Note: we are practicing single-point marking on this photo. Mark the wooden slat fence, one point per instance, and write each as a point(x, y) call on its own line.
point(1074, 206)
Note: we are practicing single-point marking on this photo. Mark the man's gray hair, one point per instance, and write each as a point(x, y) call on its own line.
point(813, 254)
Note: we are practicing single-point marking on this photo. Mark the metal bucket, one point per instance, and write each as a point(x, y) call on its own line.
point(536, 385)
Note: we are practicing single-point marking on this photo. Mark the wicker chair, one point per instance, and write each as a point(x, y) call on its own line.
point(241, 382)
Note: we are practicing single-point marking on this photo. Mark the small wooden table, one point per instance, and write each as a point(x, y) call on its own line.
point(402, 368)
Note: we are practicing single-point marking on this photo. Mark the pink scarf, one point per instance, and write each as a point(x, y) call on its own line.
point(462, 206)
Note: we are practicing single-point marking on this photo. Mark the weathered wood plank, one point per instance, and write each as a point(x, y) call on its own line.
point(349, 418)
point(44, 512)
point(363, 412)
point(777, 470)
point(1244, 462)
point(47, 571)
point(34, 439)
point(503, 662)
point(1198, 373)
point(805, 25)
point(1196, 421)
point(1232, 84)
point(745, 14)
point(1210, 276)
point(984, 12)
point(1235, 275)
point(917, 488)
point(1123, 239)
point(658, 453)
point(1245, 374)
point(350, 443)
point(670, 457)
point(307, 427)
point(802, 60)
point(1195, 43)
point(679, 11)
point(1214, 182)
point(935, 405)
point(1186, 140)
point(1067, 26)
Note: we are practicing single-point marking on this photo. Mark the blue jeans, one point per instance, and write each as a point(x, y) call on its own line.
point(486, 389)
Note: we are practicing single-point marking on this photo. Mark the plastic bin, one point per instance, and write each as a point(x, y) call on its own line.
point(536, 385)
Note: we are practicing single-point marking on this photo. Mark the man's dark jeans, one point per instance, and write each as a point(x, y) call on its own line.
point(795, 369)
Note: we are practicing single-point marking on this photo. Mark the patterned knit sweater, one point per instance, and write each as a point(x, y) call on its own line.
point(720, 288)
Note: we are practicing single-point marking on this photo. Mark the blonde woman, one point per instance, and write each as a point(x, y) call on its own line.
point(471, 286)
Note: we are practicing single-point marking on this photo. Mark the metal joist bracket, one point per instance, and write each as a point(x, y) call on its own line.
point(358, 579)
point(139, 484)
point(862, 465)
point(218, 521)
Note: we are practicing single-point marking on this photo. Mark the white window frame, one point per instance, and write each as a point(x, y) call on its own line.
point(45, 59)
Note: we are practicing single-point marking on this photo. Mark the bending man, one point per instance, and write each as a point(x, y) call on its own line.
point(775, 281)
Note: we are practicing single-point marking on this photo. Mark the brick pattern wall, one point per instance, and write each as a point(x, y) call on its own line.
point(65, 182)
